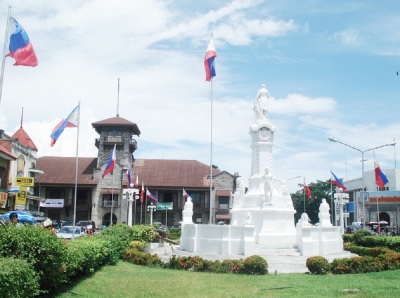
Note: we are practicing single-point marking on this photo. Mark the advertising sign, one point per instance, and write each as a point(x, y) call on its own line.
point(25, 181)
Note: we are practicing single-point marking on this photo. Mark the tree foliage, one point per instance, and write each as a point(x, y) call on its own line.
point(319, 190)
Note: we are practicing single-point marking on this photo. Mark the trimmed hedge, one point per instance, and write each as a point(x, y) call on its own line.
point(18, 279)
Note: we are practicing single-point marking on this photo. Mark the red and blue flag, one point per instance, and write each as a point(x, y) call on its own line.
point(380, 177)
point(209, 63)
point(336, 181)
point(72, 120)
point(110, 164)
point(19, 46)
point(151, 196)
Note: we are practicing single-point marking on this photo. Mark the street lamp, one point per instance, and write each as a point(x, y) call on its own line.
point(362, 169)
point(131, 195)
point(151, 208)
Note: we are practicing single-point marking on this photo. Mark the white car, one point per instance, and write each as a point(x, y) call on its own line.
point(66, 232)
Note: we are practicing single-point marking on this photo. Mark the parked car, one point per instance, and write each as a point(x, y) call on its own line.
point(66, 232)
point(67, 223)
point(88, 226)
point(352, 228)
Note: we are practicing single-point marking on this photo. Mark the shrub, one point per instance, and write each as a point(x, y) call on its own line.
point(145, 233)
point(41, 249)
point(255, 265)
point(138, 245)
point(318, 265)
point(120, 235)
point(174, 234)
point(18, 279)
point(141, 258)
point(200, 265)
point(359, 235)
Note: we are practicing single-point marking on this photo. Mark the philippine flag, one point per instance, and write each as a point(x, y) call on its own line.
point(209, 65)
point(336, 181)
point(72, 120)
point(380, 177)
point(110, 164)
point(19, 46)
point(307, 190)
point(185, 194)
point(151, 196)
point(142, 194)
point(128, 176)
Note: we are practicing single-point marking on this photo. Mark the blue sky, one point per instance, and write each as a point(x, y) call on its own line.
point(330, 67)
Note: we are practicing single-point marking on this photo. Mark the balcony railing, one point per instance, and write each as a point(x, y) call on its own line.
point(110, 204)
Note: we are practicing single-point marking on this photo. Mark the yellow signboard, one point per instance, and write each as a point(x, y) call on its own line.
point(3, 199)
point(20, 199)
point(25, 181)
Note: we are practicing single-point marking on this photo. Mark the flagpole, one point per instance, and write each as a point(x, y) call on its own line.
point(76, 168)
point(3, 61)
point(304, 194)
point(211, 146)
point(112, 199)
point(332, 199)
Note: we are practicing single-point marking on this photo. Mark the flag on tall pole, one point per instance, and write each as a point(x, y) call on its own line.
point(142, 194)
point(71, 121)
point(307, 190)
point(209, 63)
point(151, 196)
point(19, 46)
point(336, 181)
point(185, 194)
point(137, 181)
point(380, 177)
point(110, 164)
point(128, 176)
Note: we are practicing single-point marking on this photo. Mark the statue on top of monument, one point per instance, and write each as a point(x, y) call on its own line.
point(261, 103)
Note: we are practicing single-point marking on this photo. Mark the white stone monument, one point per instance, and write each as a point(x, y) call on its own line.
point(271, 207)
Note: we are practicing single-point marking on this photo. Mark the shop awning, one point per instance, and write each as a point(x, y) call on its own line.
point(223, 192)
point(223, 216)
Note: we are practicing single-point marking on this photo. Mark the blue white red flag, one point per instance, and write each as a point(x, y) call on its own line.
point(137, 181)
point(185, 194)
point(19, 46)
point(151, 196)
point(72, 120)
point(380, 177)
point(209, 63)
point(336, 181)
point(142, 194)
point(110, 164)
point(128, 176)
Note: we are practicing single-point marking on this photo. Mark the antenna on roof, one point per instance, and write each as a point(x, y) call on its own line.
point(22, 116)
point(118, 100)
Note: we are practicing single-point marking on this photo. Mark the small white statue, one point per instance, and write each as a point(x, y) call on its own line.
point(248, 219)
point(188, 204)
point(324, 216)
point(261, 103)
point(239, 193)
point(268, 187)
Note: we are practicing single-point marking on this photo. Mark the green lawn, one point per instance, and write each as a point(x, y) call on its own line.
point(127, 280)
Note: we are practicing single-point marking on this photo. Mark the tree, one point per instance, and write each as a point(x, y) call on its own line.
point(319, 190)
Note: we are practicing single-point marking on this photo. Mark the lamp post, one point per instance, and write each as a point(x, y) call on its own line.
point(362, 169)
point(151, 208)
point(131, 195)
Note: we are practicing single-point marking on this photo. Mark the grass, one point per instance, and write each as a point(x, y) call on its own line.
point(128, 280)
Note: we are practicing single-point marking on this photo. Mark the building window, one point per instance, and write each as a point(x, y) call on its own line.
point(55, 193)
point(110, 200)
point(198, 199)
point(223, 202)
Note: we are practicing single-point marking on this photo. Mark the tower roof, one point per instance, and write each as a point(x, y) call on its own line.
point(23, 138)
point(117, 122)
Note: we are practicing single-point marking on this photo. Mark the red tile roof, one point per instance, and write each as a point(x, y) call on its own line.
point(172, 173)
point(153, 172)
point(61, 170)
point(24, 139)
point(5, 151)
point(118, 122)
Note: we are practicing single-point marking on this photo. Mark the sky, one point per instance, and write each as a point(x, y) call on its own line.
point(329, 66)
